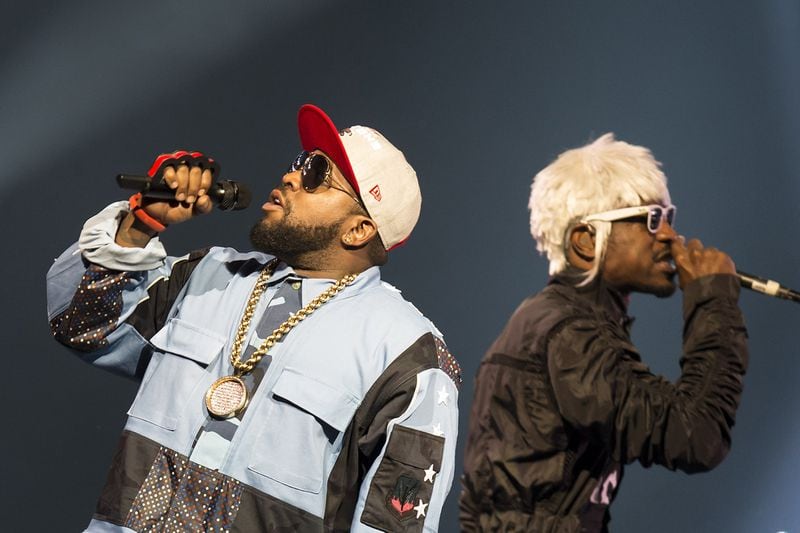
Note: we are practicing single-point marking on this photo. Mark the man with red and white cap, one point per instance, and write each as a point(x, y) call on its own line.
point(283, 389)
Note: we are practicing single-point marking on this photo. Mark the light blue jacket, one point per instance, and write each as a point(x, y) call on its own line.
point(321, 374)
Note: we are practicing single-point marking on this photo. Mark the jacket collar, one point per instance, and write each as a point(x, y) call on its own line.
point(597, 294)
point(313, 287)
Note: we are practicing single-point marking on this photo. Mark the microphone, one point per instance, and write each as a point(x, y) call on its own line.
point(767, 286)
point(228, 195)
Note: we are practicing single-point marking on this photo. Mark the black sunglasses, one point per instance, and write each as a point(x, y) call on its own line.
point(316, 169)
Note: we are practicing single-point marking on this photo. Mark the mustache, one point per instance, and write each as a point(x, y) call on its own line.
point(663, 256)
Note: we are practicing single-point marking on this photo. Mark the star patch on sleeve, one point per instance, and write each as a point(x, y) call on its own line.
point(443, 396)
point(420, 509)
point(429, 473)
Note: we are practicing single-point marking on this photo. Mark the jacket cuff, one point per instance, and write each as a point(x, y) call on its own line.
point(707, 288)
point(97, 243)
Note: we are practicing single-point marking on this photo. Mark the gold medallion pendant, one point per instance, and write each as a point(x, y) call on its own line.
point(226, 397)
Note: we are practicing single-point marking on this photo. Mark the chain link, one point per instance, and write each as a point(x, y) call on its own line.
point(243, 367)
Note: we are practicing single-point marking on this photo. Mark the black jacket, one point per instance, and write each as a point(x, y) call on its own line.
point(563, 400)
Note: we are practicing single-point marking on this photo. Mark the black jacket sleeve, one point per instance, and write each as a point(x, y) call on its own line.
point(604, 390)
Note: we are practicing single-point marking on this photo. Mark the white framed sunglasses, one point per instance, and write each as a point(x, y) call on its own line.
point(655, 213)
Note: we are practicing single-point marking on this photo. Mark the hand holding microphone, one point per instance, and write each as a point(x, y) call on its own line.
point(178, 186)
point(694, 261)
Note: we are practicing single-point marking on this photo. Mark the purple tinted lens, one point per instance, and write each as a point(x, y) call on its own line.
point(657, 214)
point(654, 219)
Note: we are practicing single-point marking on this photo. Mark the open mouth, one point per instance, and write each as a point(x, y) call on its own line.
point(275, 202)
point(666, 263)
point(669, 266)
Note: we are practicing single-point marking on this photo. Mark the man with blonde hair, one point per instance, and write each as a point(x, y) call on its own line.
point(562, 398)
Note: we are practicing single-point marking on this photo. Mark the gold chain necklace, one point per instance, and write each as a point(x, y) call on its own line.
point(227, 396)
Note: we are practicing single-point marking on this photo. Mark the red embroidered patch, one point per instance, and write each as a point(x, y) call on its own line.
point(402, 508)
point(401, 501)
point(376, 192)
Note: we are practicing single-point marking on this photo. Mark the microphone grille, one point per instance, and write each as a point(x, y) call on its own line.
point(235, 196)
point(243, 199)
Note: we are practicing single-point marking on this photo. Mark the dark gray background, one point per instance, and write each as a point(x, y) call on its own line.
point(480, 96)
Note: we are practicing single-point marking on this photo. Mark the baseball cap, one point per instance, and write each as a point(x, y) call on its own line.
point(377, 171)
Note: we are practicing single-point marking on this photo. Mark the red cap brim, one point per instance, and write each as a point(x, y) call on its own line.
point(317, 132)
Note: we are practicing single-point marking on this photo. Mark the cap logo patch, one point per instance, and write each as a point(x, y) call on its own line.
point(376, 193)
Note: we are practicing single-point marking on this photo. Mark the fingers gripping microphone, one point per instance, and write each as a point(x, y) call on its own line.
point(228, 195)
point(767, 286)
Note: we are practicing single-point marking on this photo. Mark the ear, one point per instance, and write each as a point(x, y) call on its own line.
point(360, 231)
point(580, 248)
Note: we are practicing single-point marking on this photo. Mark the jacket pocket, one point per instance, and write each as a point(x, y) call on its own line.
point(189, 341)
point(405, 476)
point(183, 351)
point(300, 437)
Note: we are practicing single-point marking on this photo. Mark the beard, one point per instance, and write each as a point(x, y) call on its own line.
point(661, 288)
point(291, 242)
point(663, 291)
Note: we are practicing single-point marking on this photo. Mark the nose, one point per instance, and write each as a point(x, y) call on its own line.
point(666, 232)
point(292, 180)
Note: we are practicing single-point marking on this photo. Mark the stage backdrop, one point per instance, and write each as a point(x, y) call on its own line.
point(480, 96)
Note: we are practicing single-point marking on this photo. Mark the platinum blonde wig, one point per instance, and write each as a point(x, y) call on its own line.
point(600, 176)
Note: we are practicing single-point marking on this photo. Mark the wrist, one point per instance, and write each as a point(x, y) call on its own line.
point(133, 233)
point(135, 203)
